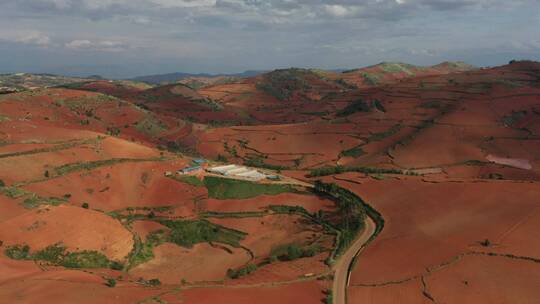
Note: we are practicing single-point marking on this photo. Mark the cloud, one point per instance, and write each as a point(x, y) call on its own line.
point(35, 38)
point(237, 34)
point(26, 37)
point(337, 10)
point(101, 45)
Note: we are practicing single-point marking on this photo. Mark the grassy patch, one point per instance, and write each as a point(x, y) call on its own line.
point(382, 135)
point(150, 126)
point(353, 152)
point(57, 254)
point(85, 259)
point(283, 83)
point(79, 166)
point(224, 188)
point(35, 201)
point(189, 233)
point(18, 252)
point(189, 179)
point(14, 192)
point(54, 148)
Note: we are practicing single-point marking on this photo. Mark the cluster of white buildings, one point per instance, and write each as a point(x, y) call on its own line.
point(238, 171)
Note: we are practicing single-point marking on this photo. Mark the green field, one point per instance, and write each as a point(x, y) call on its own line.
point(224, 188)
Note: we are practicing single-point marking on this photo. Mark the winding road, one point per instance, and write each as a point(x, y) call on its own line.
point(341, 268)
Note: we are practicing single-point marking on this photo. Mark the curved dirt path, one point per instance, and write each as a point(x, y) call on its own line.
point(341, 275)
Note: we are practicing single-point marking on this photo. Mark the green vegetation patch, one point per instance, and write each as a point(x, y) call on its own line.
point(240, 272)
point(352, 213)
point(259, 163)
point(144, 251)
point(328, 170)
point(58, 255)
point(189, 233)
point(370, 79)
point(391, 67)
point(353, 152)
point(224, 188)
point(14, 192)
point(283, 83)
point(79, 166)
point(55, 148)
point(382, 135)
point(35, 201)
point(150, 126)
point(189, 179)
point(240, 214)
point(360, 105)
point(294, 251)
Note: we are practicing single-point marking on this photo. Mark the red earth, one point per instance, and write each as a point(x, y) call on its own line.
point(85, 168)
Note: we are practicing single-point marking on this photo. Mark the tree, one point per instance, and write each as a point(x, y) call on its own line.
point(46, 173)
point(293, 252)
point(2, 184)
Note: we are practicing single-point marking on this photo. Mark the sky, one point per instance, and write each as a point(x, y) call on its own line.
point(127, 38)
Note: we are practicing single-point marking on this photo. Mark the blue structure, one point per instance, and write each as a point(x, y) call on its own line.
point(199, 161)
point(191, 169)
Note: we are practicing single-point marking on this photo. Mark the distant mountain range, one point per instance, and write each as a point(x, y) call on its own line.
point(176, 77)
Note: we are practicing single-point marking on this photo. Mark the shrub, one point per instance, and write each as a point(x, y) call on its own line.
point(353, 152)
point(115, 265)
point(355, 106)
point(153, 282)
point(85, 205)
point(18, 252)
point(2, 183)
point(111, 282)
point(85, 259)
point(294, 251)
point(53, 254)
point(235, 274)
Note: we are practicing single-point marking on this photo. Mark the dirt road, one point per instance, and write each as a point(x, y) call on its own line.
point(341, 276)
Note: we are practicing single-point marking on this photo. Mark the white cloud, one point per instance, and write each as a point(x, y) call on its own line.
point(337, 10)
point(184, 3)
point(99, 45)
point(35, 38)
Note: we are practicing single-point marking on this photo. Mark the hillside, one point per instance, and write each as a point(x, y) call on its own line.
point(430, 177)
point(25, 81)
point(391, 72)
point(179, 77)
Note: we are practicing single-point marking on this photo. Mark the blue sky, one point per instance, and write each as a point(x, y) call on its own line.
point(124, 38)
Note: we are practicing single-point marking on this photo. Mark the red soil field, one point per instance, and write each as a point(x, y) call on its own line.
point(425, 222)
point(309, 202)
point(172, 263)
point(305, 292)
point(464, 230)
point(76, 228)
point(270, 231)
point(485, 279)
